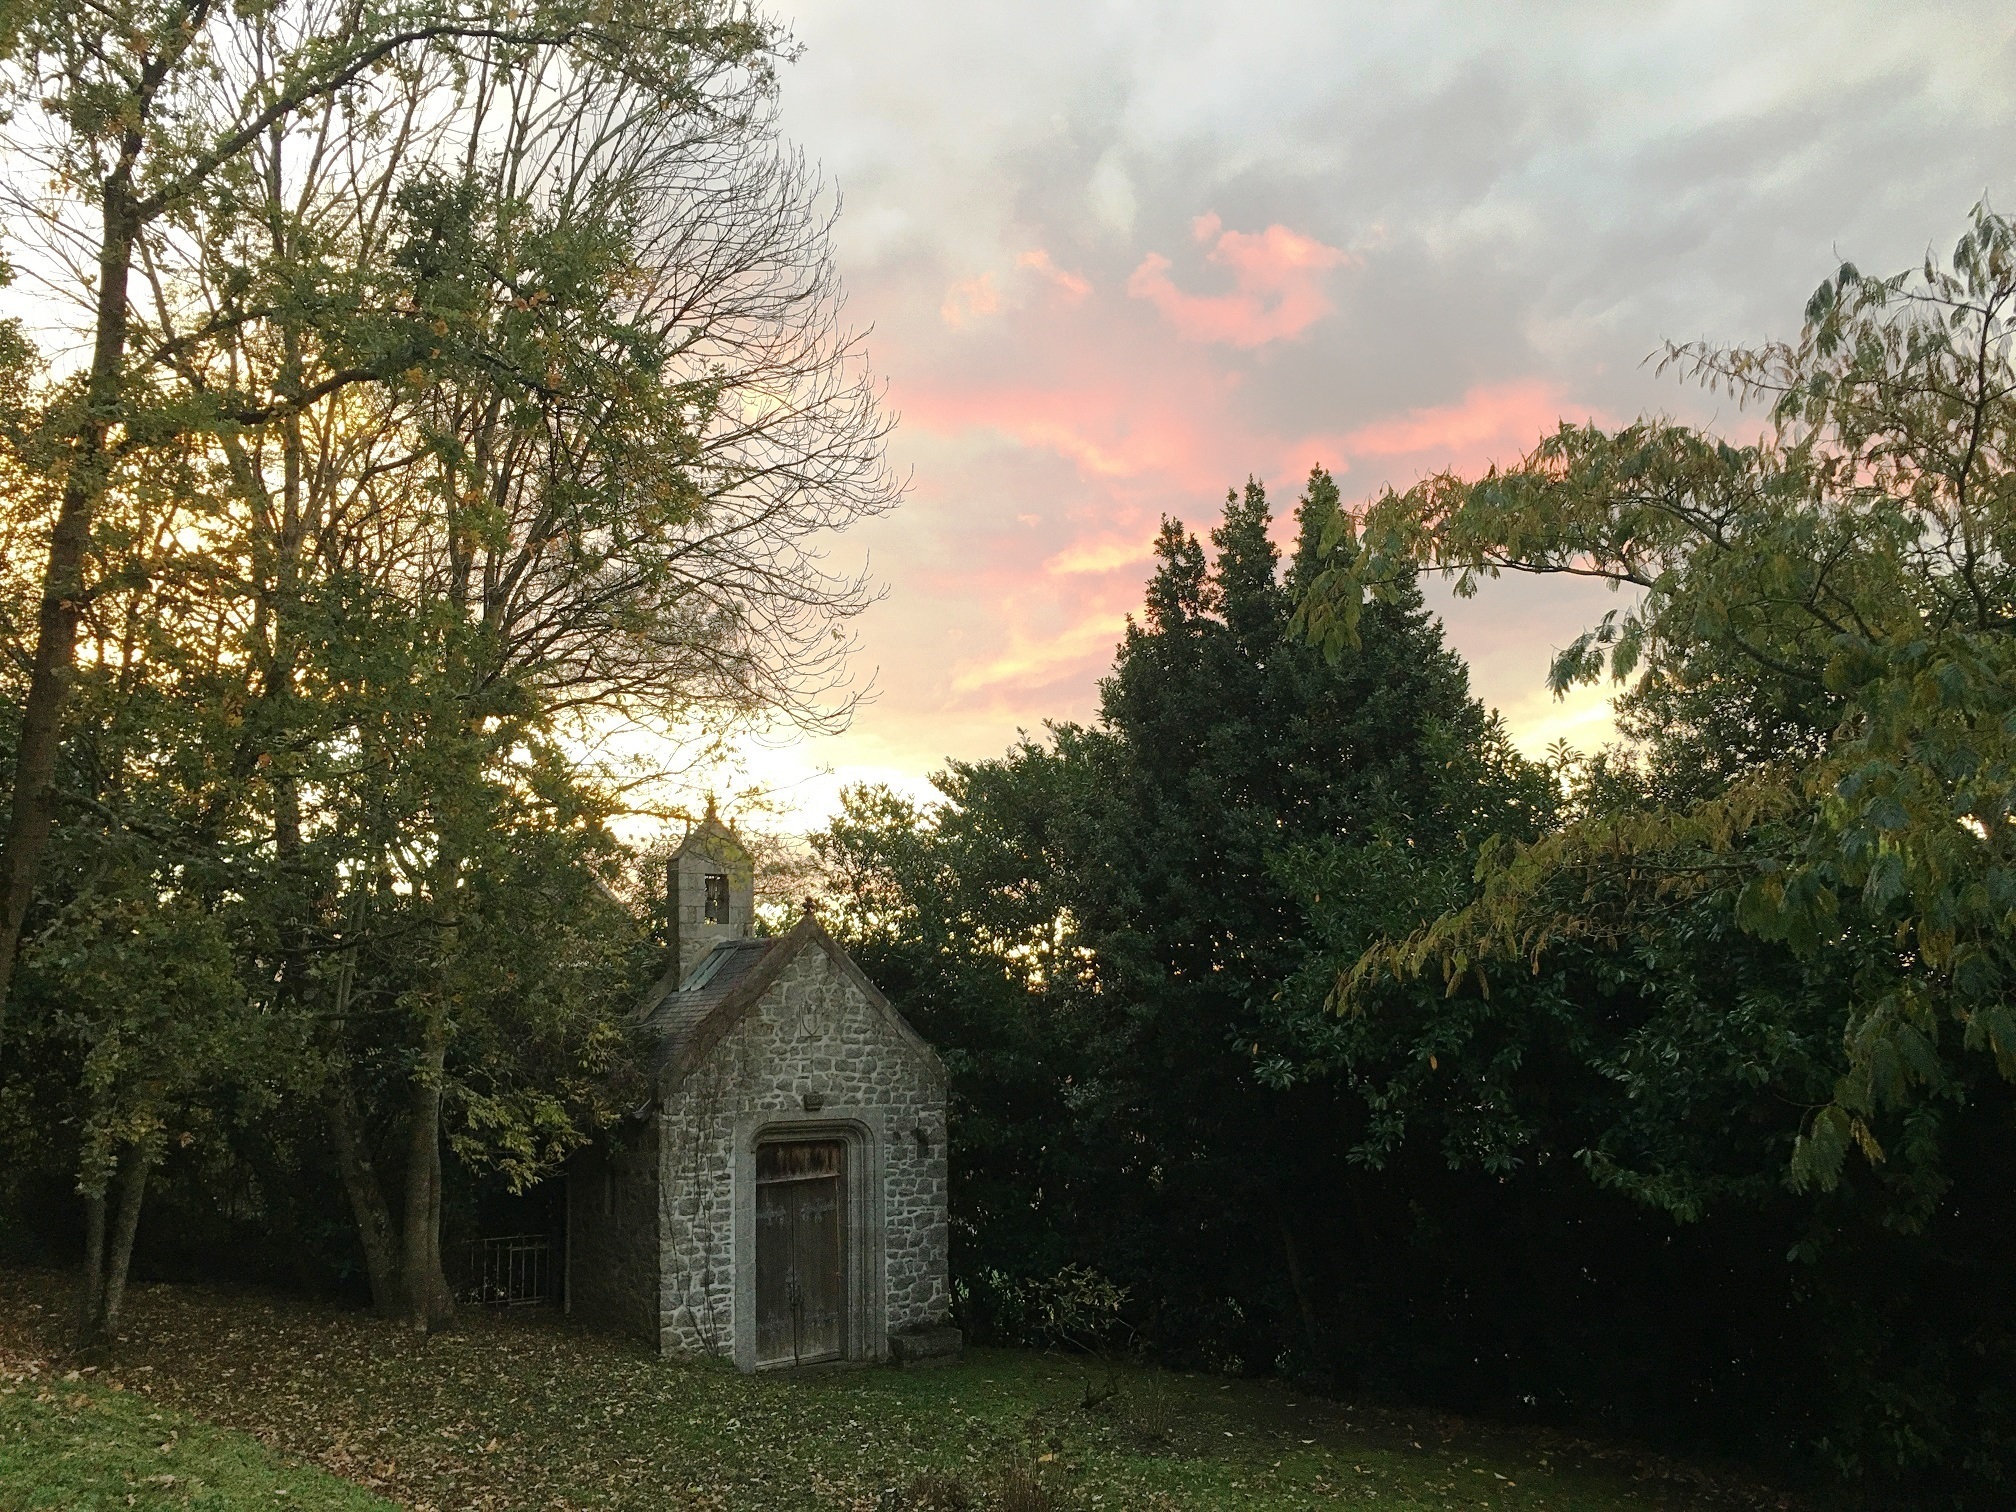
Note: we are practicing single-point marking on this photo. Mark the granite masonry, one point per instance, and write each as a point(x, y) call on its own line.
point(782, 1198)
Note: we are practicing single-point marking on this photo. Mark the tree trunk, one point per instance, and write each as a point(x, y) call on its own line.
point(32, 810)
point(1298, 1279)
point(91, 1290)
point(428, 1302)
point(132, 1192)
point(373, 1214)
point(109, 1258)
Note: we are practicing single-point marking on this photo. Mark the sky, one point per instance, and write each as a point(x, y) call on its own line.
point(1113, 258)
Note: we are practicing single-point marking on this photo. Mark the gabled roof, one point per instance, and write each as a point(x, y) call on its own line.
point(688, 1020)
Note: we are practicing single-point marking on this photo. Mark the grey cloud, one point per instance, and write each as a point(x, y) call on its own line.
point(1556, 189)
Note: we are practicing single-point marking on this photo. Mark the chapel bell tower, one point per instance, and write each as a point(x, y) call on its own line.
point(711, 886)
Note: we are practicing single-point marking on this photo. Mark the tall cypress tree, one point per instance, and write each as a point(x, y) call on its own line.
point(1235, 768)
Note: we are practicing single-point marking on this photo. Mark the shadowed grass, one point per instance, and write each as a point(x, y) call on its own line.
point(527, 1412)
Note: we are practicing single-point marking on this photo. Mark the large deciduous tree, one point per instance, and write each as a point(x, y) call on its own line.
point(606, 506)
point(137, 124)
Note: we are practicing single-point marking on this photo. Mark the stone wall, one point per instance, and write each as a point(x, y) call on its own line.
point(612, 1233)
point(816, 1058)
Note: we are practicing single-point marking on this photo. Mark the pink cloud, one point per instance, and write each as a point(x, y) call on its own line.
point(1038, 261)
point(1134, 450)
point(1516, 412)
point(1490, 423)
point(1099, 556)
point(1277, 285)
point(1036, 661)
point(1111, 429)
point(969, 299)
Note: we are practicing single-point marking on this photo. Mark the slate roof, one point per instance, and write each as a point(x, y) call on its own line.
point(680, 1010)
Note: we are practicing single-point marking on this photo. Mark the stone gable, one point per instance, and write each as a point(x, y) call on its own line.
point(813, 1054)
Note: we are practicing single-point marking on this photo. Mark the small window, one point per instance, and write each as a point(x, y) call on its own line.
point(717, 898)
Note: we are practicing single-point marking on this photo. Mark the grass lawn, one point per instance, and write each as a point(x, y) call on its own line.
point(527, 1412)
point(73, 1445)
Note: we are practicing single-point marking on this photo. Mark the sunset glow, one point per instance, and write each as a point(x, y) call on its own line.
point(1112, 266)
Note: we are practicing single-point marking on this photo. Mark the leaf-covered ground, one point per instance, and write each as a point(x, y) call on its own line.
point(527, 1412)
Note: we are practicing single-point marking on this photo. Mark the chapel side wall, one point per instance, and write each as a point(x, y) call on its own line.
point(696, 1142)
point(613, 1236)
point(814, 1032)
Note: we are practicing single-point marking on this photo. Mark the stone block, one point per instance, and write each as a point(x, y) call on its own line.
point(939, 1344)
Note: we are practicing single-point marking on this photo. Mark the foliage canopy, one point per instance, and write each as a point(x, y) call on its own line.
point(1821, 619)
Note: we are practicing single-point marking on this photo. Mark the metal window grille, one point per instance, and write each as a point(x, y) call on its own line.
point(513, 1270)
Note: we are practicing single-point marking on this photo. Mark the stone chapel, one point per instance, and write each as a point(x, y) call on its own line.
point(781, 1198)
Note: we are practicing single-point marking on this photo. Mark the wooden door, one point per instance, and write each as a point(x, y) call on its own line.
point(800, 1252)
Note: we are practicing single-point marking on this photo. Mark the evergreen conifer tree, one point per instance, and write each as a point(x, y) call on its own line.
point(1177, 884)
